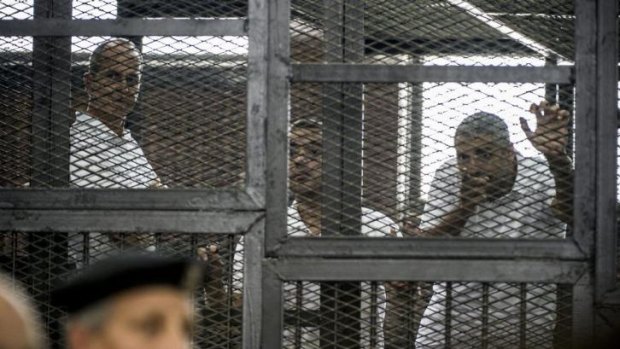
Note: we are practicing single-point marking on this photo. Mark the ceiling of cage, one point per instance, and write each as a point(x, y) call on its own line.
point(523, 27)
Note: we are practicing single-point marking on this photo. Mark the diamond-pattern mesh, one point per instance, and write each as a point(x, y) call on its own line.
point(408, 152)
point(371, 159)
point(181, 123)
point(384, 159)
point(425, 315)
point(392, 31)
point(40, 261)
point(144, 112)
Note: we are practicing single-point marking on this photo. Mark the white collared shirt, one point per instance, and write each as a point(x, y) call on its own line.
point(374, 224)
point(523, 213)
point(102, 159)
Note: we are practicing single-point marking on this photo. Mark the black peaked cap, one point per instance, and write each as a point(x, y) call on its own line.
point(121, 273)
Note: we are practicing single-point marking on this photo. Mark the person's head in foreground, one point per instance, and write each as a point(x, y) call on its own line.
point(139, 301)
point(19, 325)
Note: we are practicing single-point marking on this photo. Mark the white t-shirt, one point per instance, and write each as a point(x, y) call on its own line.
point(101, 159)
point(523, 213)
point(374, 224)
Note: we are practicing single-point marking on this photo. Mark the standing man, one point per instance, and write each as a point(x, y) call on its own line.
point(491, 191)
point(130, 302)
point(104, 154)
point(304, 220)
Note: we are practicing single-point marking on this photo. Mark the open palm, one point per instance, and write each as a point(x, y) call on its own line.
point(551, 134)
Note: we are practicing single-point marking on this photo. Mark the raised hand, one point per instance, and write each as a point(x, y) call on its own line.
point(551, 134)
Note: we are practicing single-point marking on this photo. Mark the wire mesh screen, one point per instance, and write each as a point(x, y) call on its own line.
point(16, 93)
point(391, 32)
point(39, 262)
point(412, 164)
point(131, 113)
point(389, 152)
point(425, 315)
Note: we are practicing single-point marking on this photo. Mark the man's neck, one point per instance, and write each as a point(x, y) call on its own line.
point(113, 122)
point(310, 213)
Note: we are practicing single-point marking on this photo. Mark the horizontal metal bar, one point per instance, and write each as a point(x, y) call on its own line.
point(352, 247)
point(118, 199)
point(127, 221)
point(124, 27)
point(611, 298)
point(420, 73)
point(484, 270)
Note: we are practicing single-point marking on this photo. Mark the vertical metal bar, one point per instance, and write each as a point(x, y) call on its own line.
point(585, 124)
point(333, 100)
point(606, 147)
point(230, 291)
point(374, 291)
point(329, 313)
point(566, 100)
point(298, 307)
point(485, 315)
point(342, 165)
point(352, 119)
point(583, 313)
point(51, 120)
point(585, 163)
point(268, 98)
point(448, 319)
point(522, 315)
point(135, 119)
point(415, 203)
point(596, 93)
point(331, 205)
point(551, 90)
point(272, 308)
point(259, 293)
point(413, 319)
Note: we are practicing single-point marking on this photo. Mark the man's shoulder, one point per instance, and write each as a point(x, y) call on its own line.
point(375, 223)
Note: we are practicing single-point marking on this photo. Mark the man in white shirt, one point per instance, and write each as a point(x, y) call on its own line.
point(304, 220)
point(103, 152)
point(491, 191)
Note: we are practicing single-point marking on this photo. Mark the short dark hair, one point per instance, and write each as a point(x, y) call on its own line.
point(483, 123)
point(94, 64)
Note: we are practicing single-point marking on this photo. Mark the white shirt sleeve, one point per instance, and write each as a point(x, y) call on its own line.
point(443, 195)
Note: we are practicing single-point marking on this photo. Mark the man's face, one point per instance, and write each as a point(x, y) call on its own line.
point(114, 88)
point(13, 333)
point(479, 156)
point(154, 317)
point(305, 161)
